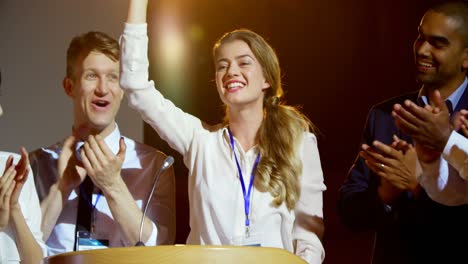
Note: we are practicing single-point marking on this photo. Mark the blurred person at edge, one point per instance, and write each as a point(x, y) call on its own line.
point(441, 143)
point(382, 192)
point(20, 213)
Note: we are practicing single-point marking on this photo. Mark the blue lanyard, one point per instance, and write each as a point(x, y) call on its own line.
point(247, 194)
point(93, 207)
point(90, 204)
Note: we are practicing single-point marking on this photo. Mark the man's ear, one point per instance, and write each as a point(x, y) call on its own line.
point(67, 84)
point(465, 59)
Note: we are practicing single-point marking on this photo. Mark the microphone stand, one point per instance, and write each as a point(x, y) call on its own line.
point(166, 164)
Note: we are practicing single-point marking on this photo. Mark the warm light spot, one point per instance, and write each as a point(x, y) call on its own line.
point(172, 46)
point(196, 33)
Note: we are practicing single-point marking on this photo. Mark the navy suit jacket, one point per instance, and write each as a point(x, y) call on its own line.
point(413, 229)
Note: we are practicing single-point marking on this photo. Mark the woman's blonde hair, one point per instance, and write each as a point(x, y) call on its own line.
point(282, 129)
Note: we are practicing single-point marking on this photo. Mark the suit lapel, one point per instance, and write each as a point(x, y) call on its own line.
point(463, 102)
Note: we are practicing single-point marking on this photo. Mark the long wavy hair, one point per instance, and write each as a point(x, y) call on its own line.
point(282, 128)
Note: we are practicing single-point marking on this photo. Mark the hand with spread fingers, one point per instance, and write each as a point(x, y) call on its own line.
point(11, 184)
point(429, 126)
point(70, 170)
point(102, 165)
point(396, 167)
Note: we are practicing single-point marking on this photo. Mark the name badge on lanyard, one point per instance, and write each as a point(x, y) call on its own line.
point(84, 241)
point(248, 239)
point(87, 240)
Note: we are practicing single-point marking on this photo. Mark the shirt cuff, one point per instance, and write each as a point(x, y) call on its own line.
point(134, 62)
point(152, 238)
point(454, 139)
point(310, 251)
point(135, 29)
point(456, 153)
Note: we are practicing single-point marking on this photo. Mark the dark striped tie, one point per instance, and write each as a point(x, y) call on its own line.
point(85, 206)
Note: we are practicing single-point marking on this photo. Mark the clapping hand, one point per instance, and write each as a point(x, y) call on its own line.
point(11, 184)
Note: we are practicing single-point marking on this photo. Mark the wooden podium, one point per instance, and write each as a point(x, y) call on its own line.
point(177, 254)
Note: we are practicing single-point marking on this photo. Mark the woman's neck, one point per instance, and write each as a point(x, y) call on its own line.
point(244, 125)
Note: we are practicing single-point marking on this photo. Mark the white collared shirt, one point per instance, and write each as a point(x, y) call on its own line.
point(216, 199)
point(140, 166)
point(446, 179)
point(31, 211)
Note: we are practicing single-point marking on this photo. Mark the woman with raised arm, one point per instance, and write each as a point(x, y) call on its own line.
point(256, 179)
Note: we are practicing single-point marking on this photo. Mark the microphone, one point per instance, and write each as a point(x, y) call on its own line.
point(166, 164)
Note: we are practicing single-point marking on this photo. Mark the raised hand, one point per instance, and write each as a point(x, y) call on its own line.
point(102, 165)
point(428, 126)
point(137, 11)
point(70, 170)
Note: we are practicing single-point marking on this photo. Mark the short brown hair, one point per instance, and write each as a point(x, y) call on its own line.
point(83, 44)
point(458, 10)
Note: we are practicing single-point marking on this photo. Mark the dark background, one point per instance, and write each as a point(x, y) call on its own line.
point(338, 59)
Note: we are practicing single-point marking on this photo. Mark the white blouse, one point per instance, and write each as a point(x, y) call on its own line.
point(215, 194)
